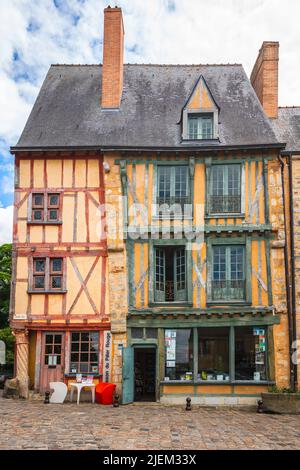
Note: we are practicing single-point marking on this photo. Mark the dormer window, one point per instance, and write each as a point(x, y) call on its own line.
point(200, 115)
point(200, 126)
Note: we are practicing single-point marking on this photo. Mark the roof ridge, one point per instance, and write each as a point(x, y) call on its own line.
point(152, 65)
point(288, 107)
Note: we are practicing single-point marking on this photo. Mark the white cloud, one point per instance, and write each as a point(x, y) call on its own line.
point(6, 223)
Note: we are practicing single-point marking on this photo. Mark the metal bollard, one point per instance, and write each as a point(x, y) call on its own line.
point(260, 406)
point(116, 400)
point(47, 398)
point(188, 404)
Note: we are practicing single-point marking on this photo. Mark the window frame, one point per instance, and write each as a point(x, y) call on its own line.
point(45, 208)
point(187, 112)
point(228, 241)
point(153, 244)
point(200, 117)
point(172, 178)
point(209, 184)
point(232, 356)
point(190, 164)
point(89, 352)
point(48, 274)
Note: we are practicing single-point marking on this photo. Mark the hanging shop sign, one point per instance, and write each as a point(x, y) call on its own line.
point(107, 356)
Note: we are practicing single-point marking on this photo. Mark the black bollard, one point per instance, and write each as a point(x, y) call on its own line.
point(188, 404)
point(116, 401)
point(47, 398)
point(260, 406)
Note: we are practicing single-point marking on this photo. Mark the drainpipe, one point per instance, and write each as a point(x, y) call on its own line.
point(287, 277)
point(293, 269)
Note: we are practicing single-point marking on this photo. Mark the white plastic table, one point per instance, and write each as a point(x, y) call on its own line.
point(79, 387)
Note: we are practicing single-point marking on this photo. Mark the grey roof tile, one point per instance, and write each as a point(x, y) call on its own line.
point(287, 127)
point(67, 111)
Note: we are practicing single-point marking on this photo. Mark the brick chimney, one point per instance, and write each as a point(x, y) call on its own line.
point(264, 77)
point(113, 51)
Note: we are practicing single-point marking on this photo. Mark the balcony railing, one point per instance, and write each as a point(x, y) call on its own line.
point(174, 205)
point(225, 204)
point(234, 289)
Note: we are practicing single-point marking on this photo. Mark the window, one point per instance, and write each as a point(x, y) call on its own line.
point(170, 274)
point(53, 348)
point(45, 207)
point(225, 189)
point(173, 189)
point(85, 353)
point(228, 275)
point(41, 281)
point(200, 126)
point(250, 353)
point(213, 354)
point(179, 354)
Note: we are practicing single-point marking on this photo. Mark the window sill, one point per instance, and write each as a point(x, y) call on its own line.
point(166, 217)
point(216, 382)
point(47, 291)
point(73, 376)
point(214, 303)
point(171, 304)
point(32, 222)
point(224, 215)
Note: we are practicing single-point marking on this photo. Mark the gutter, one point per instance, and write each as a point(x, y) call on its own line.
point(187, 148)
point(289, 285)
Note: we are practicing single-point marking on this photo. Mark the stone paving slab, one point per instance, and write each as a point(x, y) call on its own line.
point(33, 425)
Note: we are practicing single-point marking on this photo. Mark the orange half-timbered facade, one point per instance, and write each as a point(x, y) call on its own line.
point(59, 308)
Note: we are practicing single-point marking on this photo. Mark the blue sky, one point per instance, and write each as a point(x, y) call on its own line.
point(34, 34)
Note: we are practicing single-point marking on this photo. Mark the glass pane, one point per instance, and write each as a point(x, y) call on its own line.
point(56, 282)
point(213, 354)
point(57, 339)
point(53, 200)
point(56, 264)
point(39, 265)
point(57, 349)
point(84, 357)
point(85, 336)
point(164, 184)
point(137, 333)
point(37, 214)
point(39, 282)
point(48, 349)
point(75, 347)
point(151, 333)
point(84, 346)
point(179, 354)
point(38, 200)
point(49, 339)
point(84, 368)
point(93, 357)
point(53, 214)
point(74, 357)
point(250, 353)
point(75, 336)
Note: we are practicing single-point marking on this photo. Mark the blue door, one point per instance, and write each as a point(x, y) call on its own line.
point(128, 375)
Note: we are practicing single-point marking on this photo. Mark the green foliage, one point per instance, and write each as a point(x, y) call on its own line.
point(5, 278)
point(275, 389)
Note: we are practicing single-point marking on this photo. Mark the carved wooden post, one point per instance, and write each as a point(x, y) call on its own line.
point(22, 358)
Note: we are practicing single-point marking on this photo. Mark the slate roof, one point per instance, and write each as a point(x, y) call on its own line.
point(67, 112)
point(287, 127)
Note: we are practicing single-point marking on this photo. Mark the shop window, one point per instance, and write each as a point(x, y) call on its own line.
point(213, 354)
point(250, 353)
point(170, 274)
point(225, 189)
point(45, 207)
point(179, 354)
point(84, 353)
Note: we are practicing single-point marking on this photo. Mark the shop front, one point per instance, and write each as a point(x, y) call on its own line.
point(221, 362)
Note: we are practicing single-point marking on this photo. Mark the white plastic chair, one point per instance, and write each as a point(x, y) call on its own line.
point(60, 392)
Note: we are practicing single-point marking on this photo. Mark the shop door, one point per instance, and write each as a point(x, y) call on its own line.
point(128, 375)
point(144, 374)
point(52, 367)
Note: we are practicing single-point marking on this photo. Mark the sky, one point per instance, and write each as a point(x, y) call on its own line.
point(37, 33)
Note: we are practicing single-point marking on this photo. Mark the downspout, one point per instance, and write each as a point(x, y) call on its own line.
point(293, 270)
point(287, 279)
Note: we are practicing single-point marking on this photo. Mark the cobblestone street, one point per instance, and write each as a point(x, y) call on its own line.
point(33, 425)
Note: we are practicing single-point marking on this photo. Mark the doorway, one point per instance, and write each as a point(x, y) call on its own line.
point(144, 374)
point(52, 367)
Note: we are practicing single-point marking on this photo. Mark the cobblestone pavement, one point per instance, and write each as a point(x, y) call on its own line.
point(33, 425)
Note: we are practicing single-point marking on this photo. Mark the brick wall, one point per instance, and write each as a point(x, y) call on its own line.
point(113, 49)
point(264, 78)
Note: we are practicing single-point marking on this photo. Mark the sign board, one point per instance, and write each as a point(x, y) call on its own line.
point(107, 356)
